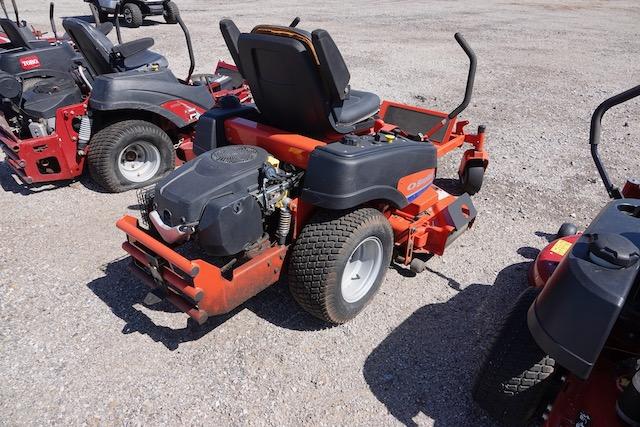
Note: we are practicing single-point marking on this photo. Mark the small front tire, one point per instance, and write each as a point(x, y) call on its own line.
point(129, 154)
point(339, 262)
point(471, 179)
point(171, 12)
point(132, 14)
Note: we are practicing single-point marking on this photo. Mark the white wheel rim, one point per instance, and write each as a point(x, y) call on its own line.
point(362, 269)
point(139, 161)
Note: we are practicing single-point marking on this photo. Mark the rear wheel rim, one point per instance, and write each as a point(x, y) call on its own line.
point(128, 16)
point(362, 269)
point(139, 161)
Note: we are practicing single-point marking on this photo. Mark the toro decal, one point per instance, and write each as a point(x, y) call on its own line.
point(30, 62)
point(415, 184)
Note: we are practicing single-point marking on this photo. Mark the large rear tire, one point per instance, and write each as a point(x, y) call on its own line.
point(132, 14)
point(339, 261)
point(129, 154)
point(171, 12)
point(516, 379)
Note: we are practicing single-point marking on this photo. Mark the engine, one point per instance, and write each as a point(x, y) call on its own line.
point(229, 199)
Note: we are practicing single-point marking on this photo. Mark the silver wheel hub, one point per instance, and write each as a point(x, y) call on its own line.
point(362, 269)
point(139, 161)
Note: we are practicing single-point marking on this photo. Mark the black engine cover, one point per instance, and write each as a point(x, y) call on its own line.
point(213, 191)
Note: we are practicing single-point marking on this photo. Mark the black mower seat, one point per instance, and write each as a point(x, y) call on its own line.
point(300, 82)
point(20, 37)
point(105, 58)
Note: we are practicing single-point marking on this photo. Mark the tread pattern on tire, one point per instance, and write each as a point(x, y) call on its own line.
point(101, 146)
point(315, 254)
point(511, 383)
point(171, 12)
point(137, 18)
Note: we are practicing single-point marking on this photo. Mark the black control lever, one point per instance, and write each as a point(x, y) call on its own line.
point(117, 19)
point(187, 36)
point(596, 130)
point(295, 22)
point(15, 10)
point(470, 78)
point(4, 9)
point(52, 7)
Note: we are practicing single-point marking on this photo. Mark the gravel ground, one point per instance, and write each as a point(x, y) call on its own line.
point(79, 347)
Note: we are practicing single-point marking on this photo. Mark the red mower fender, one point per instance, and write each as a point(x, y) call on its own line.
point(548, 259)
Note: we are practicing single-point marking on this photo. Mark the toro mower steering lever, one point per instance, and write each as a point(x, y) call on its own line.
point(117, 21)
point(15, 10)
point(187, 36)
point(470, 78)
point(595, 131)
point(52, 19)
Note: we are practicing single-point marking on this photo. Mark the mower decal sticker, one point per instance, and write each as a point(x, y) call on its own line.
point(30, 62)
point(415, 184)
point(561, 247)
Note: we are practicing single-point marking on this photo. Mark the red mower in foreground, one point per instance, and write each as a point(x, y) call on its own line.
point(568, 353)
point(120, 113)
point(332, 186)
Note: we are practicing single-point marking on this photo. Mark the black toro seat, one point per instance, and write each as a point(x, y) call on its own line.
point(300, 82)
point(105, 58)
point(20, 37)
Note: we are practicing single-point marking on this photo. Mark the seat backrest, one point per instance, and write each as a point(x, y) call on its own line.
point(94, 45)
point(294, 84)
point(231, 34)
point(16, 36)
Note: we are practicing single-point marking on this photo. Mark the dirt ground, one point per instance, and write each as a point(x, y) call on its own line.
point(77, 346)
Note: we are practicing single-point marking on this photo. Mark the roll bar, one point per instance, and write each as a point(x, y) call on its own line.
point(52, 20)
point(470, 77)
point(596, 130)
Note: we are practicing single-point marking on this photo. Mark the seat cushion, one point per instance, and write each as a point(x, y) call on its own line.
point(358, 106)
point(145, 59)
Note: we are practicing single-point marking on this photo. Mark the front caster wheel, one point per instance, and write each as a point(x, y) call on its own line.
point(132, 14)
point(516, 379)
point(129, 154)
point(339, 261)
point(471, 179)
point(171, 12)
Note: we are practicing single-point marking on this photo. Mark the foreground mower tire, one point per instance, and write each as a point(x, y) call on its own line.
point(129, 154)
point(339, 261)
point(171, 13)
point(471, 179)
point(132, 15)
point(516, 379)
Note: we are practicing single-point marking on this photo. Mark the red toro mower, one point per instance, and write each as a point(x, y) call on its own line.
point(120, 112)
point(568, 353)
point(333, 185)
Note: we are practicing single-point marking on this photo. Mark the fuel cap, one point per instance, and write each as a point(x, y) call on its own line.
point(612, 250)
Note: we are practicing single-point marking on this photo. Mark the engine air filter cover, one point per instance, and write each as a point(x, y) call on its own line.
point(234, 154)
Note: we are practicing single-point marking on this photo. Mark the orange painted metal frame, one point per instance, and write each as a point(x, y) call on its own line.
point(201, 289)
